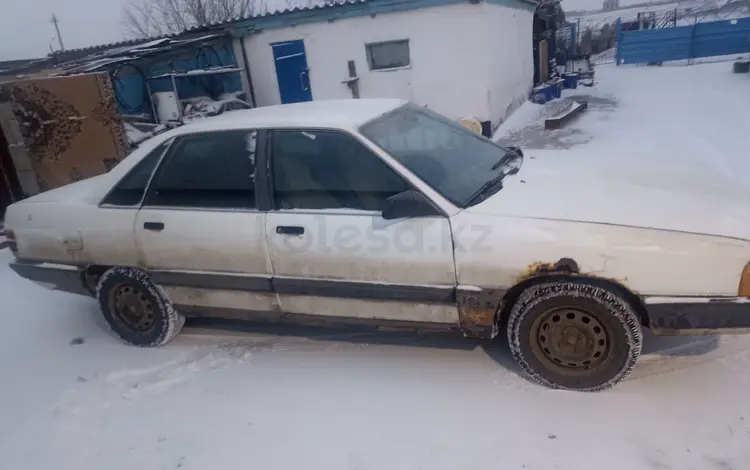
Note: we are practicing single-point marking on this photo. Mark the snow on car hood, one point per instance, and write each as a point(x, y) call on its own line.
point(628, 190)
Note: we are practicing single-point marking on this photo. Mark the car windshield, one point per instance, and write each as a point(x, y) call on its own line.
point(452, 159)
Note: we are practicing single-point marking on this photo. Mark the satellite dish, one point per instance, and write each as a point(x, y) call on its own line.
point(471, 123)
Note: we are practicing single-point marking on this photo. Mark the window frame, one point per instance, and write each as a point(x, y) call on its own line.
point(268, 176)
point(109, 205)
point(261, 202)
point(368, 53)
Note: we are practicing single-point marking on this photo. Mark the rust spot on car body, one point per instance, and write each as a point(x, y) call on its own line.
point(562, 266)
point(478, 312)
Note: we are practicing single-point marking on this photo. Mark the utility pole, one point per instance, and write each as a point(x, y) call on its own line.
point(57, 28)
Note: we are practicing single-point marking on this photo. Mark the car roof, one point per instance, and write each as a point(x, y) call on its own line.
point(330, 113)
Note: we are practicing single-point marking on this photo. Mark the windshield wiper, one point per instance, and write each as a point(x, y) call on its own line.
point(506, 158)
point(484, 191)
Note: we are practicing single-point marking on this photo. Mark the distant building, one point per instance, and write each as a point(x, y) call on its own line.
point(461, 58)
point(609, 5)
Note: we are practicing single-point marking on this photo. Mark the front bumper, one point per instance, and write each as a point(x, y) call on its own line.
point(700, 316)
point(53, 276)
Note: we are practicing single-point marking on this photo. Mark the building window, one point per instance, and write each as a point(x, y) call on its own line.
point(388, 55)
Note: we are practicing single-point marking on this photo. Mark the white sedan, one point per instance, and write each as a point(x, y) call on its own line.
point(384, 213)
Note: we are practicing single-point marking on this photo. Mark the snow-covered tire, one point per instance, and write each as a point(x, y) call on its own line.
point(150, 319)
point(556, 329)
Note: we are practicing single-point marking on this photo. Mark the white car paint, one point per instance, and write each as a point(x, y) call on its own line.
point(686, 235)
point(670, 231)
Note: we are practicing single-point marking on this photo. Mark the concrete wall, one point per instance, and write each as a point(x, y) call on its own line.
point(510, 57)
point(449, 54)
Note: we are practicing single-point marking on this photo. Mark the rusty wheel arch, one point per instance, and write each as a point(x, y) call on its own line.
point(566, 270)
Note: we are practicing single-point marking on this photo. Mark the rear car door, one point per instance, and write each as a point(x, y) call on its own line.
point(333, 253)
point(200, 232)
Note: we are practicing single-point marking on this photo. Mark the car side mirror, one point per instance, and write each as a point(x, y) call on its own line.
point(516, 150)
point(408, 204)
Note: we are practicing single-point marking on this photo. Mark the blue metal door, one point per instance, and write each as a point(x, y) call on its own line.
point(291, 71)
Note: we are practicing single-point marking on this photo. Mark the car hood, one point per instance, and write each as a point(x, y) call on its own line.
point(637, 191)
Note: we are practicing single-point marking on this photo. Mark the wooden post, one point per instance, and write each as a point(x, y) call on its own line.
point(353, 82)
point(618, 36)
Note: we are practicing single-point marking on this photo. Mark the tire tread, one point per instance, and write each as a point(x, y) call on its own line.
point(619, 308)
point(174, 320)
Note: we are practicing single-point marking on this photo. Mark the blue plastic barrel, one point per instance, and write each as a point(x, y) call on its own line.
point(549, 91)
point(557, 88)
point(571, 81)
point(541, 94)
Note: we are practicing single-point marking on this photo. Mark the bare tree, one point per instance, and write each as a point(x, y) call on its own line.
point(146, 18)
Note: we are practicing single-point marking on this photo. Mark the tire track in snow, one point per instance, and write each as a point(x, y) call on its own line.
point(691, 355)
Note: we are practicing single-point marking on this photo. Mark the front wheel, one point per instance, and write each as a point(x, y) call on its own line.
point(574, 335)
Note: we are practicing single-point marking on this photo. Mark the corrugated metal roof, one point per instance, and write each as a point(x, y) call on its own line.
point(192, 29)
point(319, 6)
point(111, 45)
point(324, 5)
point(98, 58)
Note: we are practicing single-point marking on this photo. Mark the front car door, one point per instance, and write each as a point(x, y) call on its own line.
point(200, 232)
point(333, 253)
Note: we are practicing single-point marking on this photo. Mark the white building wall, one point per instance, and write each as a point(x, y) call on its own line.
point(456, 54)
point(510, 59)
point(237, 49)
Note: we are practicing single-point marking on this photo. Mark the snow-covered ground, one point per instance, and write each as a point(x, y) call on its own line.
point(341, 400)
point(73, 397)
point(674, 113)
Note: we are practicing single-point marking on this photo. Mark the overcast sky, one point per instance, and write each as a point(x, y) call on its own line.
point(26, 31)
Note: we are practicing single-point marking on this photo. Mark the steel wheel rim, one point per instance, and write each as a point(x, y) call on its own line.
point(571, 340)
point(132, 308)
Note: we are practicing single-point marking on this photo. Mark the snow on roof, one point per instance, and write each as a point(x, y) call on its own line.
point(328, 113)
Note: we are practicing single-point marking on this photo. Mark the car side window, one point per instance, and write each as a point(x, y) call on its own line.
point(329, 170)
point(130, 190)
point(210, 170)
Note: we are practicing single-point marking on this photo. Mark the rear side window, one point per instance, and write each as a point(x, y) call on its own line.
point(213, 169)
point(130, 190)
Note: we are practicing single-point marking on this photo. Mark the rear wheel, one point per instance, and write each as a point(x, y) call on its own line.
point(574, 335)
point(136, 309)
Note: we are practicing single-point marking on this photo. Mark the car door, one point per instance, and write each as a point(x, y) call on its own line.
point(332, 251)
point(200, 232)
point(118, 211)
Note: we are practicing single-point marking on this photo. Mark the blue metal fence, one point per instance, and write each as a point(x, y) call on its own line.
point(683, 42)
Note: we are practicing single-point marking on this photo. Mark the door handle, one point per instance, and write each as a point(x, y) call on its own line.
point(155, 226)
point(290, 229)
point(302, 80)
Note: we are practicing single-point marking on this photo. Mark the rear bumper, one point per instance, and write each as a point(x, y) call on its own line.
point(702, 316)
point(53, 276)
